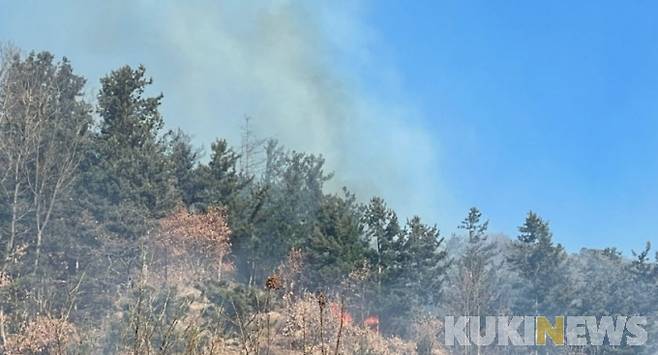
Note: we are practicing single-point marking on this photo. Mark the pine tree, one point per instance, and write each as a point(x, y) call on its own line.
point(474, 287)
point(289, 198)
point(424, 262)
point(385, 237)
point(184, 159)
point(644, 284)
point(126, 184)
point(336, 246)
point(384, 234)
point(541, 266)
point(127, 178)
point(222, 180)
point(129, 119)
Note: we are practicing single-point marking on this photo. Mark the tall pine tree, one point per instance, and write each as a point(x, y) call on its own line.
point(541, 266)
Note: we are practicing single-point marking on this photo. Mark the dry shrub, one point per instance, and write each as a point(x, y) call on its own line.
point(209, 230)
point(42, 334)
point(300, 330)
point(290, 272)
point(5, 279)
point(426, 329)
point(194, 244)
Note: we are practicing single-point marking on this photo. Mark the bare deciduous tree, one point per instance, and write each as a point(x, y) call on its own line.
point(43, 125)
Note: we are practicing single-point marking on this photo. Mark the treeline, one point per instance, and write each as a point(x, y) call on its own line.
point(113, 231)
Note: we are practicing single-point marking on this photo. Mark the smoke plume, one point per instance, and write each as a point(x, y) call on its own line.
point(315, 77)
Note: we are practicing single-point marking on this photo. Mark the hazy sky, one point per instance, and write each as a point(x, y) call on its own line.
point(436, 106)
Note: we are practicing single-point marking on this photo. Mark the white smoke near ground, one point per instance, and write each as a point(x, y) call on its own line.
point(313, 76)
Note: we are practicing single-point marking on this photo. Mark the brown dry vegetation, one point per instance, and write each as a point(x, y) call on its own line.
point(165, 312)
point(286, 320)
point(44, 334)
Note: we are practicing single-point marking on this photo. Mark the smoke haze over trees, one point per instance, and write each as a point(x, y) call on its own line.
point(116, 238)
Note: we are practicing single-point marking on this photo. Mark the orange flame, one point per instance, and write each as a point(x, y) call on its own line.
point(335, 310)
point(372, 322)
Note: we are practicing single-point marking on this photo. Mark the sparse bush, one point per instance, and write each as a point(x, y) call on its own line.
point(44, 334)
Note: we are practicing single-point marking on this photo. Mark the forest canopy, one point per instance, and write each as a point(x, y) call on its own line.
point(116, 237)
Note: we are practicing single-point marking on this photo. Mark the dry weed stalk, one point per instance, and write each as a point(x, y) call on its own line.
point(250, 329)
point(188, 236)
point(342, 324)
point(301, 330)
point(48, 331)
point(273, 283)
point(322, 302)
point(42, 334)
point(425, 329)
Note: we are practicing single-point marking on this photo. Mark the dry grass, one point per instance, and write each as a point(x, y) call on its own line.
point(301, 327)
point(44, 334)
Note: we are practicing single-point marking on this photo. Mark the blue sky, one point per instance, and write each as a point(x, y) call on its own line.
point(437, 106)
point(550, 106)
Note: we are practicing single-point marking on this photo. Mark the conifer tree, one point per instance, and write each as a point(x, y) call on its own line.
point(222, 181)
point(383, 233)
point(424, 262)
point(184, 159)
point(385, 237)
point(541, 266)
point(336, 246)
point(475, 290)
point(127, 178)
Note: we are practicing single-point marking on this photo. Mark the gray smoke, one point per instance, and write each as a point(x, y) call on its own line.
point(297, 69)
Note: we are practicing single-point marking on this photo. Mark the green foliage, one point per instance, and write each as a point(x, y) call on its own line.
point(424, 262)
point(183, 159)
point(384, 234)
point(76, 242)
point(336, 246)
point(43, 124)
point(279, 210)
point(541, 265)
point(231, 301)
point(129, 120)
point(126, 178)
point(475, 279)
point(221, 180)
point(389, 293)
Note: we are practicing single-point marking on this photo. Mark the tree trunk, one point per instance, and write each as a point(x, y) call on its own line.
point(14, 221)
